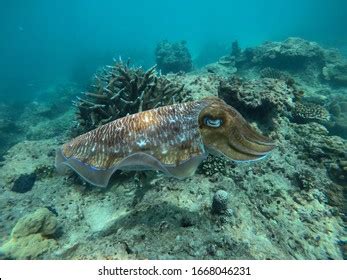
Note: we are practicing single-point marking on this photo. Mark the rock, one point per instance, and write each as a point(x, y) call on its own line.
point(28, 247)
point(29, 238)
point(24, 183)
point(41, 221)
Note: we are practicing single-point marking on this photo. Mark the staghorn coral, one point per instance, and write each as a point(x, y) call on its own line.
point(265, 97)
point(120, 90)
point(173, 57)
point(310, 112)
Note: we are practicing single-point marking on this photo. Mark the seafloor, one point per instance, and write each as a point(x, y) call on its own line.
point(289, 206)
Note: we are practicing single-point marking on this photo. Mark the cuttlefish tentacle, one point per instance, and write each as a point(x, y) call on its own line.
point(173, 139)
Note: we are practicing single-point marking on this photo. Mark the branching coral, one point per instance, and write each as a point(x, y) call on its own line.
point(120, 90)
point(173, 57)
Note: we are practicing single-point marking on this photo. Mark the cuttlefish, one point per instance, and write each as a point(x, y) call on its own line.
point(173, 139)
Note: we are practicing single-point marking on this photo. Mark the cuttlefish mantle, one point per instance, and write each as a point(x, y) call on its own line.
point(173, 139)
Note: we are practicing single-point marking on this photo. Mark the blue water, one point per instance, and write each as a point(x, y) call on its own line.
point(44, 42)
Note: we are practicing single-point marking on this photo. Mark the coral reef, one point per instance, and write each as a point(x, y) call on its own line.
point(336, 73)
point(173, 57)
point(263, 98)
point(291, 53)
point(201, 85)
point(120, 90)
point(30, 236)
point(304, 61)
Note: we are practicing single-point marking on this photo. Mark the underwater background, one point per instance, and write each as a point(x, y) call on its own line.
point(67, 68)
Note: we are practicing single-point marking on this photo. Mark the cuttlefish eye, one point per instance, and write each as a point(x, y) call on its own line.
point(213, 122)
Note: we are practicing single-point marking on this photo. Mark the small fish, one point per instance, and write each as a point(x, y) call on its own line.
point(173, 139)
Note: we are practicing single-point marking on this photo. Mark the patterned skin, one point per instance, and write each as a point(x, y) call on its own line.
point(173, 139)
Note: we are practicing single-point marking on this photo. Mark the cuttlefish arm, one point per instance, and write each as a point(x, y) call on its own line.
point(173, 139)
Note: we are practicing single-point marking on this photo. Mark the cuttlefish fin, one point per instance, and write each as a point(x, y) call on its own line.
point(147, 162)
point(187, 168)
point(136, 161)
point(95, 176)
